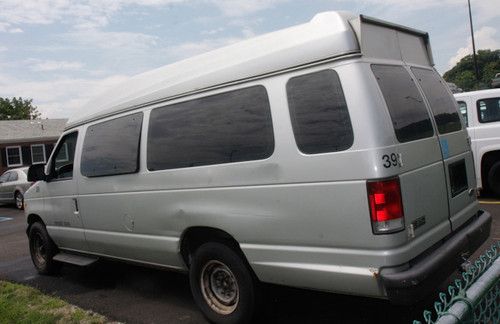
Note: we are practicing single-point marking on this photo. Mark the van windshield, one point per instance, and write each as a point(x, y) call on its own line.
point(409, 115)
point(441, 101)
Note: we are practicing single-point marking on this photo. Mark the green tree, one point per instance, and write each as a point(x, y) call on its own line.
point(18, 108)
point(464, 76)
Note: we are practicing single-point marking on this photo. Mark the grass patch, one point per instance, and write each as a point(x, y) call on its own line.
point(22, 304)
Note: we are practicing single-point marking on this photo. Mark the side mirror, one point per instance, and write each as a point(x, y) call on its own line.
point(36, 172)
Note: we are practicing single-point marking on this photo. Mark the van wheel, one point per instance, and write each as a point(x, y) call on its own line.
point(42, 250)
point(494, 178)
point(19, 199)
point(223, 286)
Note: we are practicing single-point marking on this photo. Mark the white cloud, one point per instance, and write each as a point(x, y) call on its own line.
point(212, 31)
point(15, 30)
point(59, 98)
point(482, 10)
point(91, 14)
point(49, 65)
point(484, 38)
point(82, 14)
point(112, 40)
point(7, 28)
point(244, 7)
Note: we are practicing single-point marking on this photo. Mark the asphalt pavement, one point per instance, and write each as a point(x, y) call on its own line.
point(134, 294)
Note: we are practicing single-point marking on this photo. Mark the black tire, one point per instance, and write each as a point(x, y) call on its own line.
point(494, 179)
point(19, 200)
point(42, 250)
point(226, 267)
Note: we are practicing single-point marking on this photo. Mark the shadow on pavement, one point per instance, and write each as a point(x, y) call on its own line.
point(145, 295)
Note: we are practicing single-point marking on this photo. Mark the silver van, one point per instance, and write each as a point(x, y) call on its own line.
point(328, 156)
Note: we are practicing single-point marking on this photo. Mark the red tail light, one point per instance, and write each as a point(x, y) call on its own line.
point(386, 206)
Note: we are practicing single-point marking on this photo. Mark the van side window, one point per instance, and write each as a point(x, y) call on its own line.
point(112, 147)
point(488, 110)
point(319, 114)
point(228, 127)
point(409, 115)
point(441, 101)
point(462, 106)
point(63, 158)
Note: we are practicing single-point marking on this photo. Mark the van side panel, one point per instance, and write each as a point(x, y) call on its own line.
point(288, 221)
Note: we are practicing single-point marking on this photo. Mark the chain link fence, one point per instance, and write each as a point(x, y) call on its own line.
point(473, 298)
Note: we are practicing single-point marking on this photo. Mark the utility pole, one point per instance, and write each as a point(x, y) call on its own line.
point(473, 44)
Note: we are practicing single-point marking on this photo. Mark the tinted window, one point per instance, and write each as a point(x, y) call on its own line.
point(441, 101)
point(229, 127)
point(112, 147)
point(488, 110)
point(319, 114)
point(409, 115)
point(62, 163)
point(462, 106)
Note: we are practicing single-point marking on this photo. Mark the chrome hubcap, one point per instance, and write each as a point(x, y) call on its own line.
point(219, 287)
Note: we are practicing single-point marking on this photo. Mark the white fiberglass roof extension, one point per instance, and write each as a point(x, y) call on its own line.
point(326, 36)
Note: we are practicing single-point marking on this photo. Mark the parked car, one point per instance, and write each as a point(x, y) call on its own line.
point(317, 156)
point(481, 113)
point(495, 82)
point(13, 185)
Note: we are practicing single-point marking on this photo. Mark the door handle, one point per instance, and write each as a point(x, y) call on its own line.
point(77, 211)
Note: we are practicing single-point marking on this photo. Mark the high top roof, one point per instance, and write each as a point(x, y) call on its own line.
point(327, 35)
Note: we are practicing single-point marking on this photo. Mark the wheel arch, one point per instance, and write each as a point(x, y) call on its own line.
point(31, 219)
point(193, 237)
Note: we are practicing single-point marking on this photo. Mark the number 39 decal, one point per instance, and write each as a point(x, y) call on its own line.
point(391, 160)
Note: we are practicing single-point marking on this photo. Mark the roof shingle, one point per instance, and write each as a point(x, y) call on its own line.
point(12, 131)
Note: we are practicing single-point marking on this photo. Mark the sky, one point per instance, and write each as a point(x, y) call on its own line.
point(62, 53)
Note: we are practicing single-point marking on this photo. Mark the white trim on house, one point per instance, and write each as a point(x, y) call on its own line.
point(20, 156)
point(44, 154)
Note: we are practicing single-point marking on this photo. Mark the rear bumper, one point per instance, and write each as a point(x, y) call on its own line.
point(426, 272)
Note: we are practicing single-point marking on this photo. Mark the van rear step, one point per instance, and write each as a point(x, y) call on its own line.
point(75, 259)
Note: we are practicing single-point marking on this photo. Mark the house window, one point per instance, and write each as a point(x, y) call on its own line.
point(14, 157)
point(38, 153)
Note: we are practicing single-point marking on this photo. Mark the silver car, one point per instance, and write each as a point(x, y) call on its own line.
point(13, 185)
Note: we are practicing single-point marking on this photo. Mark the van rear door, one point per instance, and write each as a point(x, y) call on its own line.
point(421, 172)
point(455, 150)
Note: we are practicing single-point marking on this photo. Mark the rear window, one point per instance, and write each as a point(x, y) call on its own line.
point(409, 115)
point(319, 114)
point(488, 110)
point(442, 103)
